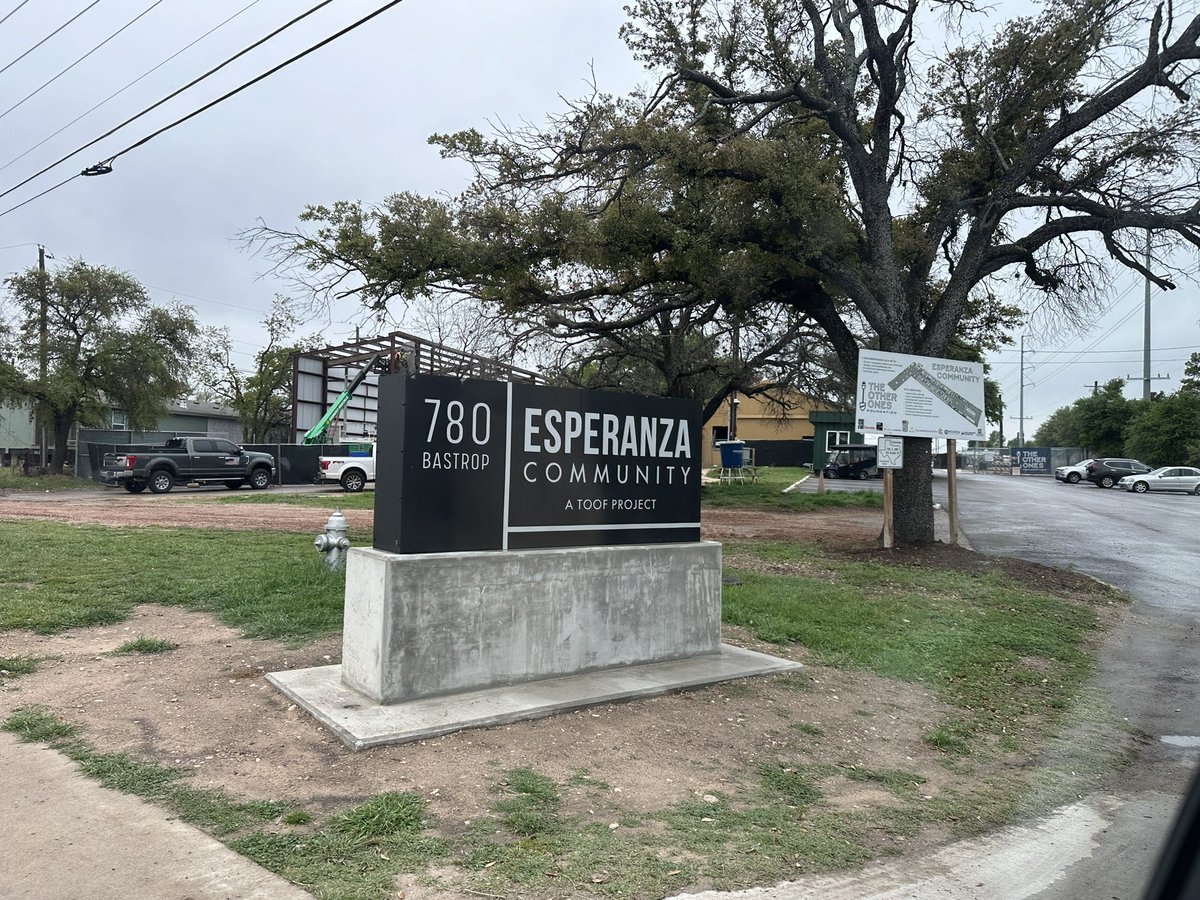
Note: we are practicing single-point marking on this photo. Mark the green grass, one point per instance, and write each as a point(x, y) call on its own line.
point(147, 645)
point(16, 666)
point(769, 494)
point(269, 585)
point(339, 498)
point(999, 651)
point(15, 480)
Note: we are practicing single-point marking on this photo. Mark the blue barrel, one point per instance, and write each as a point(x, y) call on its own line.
point(731, 454)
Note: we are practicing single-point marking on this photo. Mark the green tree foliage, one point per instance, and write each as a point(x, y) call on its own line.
point(1167, 433)
point(1103, 417)
point(1061, 429)
point(262, 396)
point(106, 346)
point(1191, 375)
point(798, 155)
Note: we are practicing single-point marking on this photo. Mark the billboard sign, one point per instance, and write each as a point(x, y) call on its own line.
point(469, 464)
point(920, 396)
point(1034, 460)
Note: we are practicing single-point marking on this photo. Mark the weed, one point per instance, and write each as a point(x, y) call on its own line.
point(385, 815)
point(15, 666)
point(532, 805)
point(296, 817)
point(36, 724)
point(147, 645)
point(788, 785)
point(952, 737)
point(811, 730)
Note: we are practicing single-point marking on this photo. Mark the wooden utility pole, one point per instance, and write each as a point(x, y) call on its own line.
point(42, 351)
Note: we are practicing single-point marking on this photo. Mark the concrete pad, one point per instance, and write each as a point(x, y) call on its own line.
point(361, 722)
point(66, 837)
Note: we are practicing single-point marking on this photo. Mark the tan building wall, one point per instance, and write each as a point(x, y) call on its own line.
point(758, 420)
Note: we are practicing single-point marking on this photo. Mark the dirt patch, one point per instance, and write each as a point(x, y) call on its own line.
point(181, 511)
point(206, 706)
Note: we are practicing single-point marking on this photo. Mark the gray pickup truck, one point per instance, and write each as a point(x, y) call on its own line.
point(187, 461)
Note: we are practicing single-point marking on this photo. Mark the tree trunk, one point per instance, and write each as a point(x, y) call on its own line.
point(913, 494)
point(62, 433)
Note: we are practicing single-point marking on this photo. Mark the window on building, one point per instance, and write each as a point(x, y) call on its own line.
point(720, 433)
point(120, 422)
point(836, 437)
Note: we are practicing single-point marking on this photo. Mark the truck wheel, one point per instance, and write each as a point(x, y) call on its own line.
point(353, 481)
point(135, 487)
point(160, 481)
point(260, 478)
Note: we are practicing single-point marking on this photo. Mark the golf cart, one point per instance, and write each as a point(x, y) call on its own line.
point(852, 461)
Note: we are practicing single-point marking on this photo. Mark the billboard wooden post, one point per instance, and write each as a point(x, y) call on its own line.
point(889, 522)
point(952, 488)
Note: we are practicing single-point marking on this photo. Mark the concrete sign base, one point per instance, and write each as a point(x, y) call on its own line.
point(436, 642)
point(422, 624)
point(361, 723)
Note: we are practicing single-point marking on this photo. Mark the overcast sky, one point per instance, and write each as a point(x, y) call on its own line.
point(350, 122)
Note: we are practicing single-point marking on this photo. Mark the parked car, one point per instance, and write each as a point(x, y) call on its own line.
point(1108, 471)
point(1167, 478)
point(351, 472)
point(1073, 474)
point(187, 461)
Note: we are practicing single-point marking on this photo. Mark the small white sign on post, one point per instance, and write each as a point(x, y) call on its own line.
point(890, 452)
point(919, 396)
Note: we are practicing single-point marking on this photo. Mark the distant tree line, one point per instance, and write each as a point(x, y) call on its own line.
point(1162, 431)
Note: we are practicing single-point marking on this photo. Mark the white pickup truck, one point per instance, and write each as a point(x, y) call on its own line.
point(351, 472)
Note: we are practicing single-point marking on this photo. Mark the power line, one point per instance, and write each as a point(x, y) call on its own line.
point(170, 96)
point(46, 84)
point(38, 196)
point(253, 81)
point(117, 93)
point(47, 37)
point(14, 12)
point(1081, 352)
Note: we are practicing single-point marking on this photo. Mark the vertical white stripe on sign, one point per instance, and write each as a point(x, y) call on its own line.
point(507, 460)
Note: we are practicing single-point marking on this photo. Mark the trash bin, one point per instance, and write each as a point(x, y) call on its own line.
point(732, 454)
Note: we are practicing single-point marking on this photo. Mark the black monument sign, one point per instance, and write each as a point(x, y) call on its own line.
point(467, 464)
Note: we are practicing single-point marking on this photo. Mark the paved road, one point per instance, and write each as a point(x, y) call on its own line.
point(1150, 668)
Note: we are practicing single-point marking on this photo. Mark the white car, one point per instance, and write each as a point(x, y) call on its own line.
point(351, 472)
point(1166, 478)
point(1073, 474)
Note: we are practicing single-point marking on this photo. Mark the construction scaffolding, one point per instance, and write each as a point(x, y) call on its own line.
point(320, 377)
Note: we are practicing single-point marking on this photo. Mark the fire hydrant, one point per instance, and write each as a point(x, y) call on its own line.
point(335, 541)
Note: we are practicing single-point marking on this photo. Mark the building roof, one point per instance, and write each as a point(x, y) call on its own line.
point(188, 406)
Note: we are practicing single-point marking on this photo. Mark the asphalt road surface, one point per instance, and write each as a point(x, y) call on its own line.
point(1149, 546)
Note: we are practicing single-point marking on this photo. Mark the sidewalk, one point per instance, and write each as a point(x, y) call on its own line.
point(65, 837)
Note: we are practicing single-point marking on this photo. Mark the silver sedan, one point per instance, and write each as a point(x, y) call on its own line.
point(1167, 478)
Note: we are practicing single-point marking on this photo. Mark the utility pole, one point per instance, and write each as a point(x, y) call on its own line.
point(1021, 410)
point(1146, 328)
point(42, 350)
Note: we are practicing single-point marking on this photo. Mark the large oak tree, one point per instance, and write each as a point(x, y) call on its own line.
point(827, 158)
